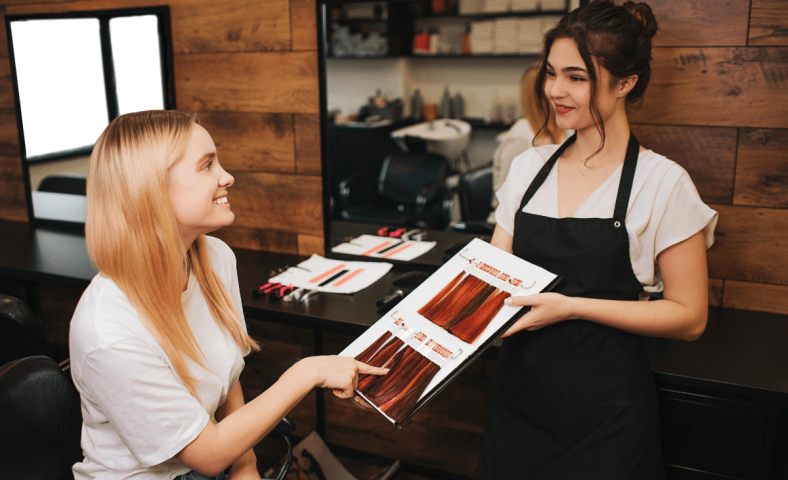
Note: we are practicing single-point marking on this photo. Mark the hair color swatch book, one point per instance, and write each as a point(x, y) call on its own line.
point(442, 326)
point(384, 247)
point(332, 276)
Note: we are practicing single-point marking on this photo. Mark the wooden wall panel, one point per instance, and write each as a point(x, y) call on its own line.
point(310, 244)
point(252, 141)
point(9, 138)
point(762, 168)
point(756, 296)
point(750, 245)
point(12, 189)
point(697, 24)
point(717, 87)
point(707, 153)
point(255, 239)
point(304, 24)
point(307, 144)
point(768, 22)
point(274, 82)
point(3, 36)
point(285, 203)
point(200, 26)
point(716, 286)
point(6, 86)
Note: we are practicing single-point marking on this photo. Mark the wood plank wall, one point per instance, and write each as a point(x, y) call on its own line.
point(250, 69)
point(715, 106)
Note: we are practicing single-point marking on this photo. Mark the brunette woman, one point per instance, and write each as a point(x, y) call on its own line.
point(573, 396)
point(158, 338)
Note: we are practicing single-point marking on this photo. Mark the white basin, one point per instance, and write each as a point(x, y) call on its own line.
point(446, 136)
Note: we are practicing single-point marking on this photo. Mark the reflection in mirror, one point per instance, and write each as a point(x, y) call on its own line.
point(74, 73)
point(411, 131)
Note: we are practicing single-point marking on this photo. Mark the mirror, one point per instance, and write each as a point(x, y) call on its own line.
point(414, 95)
point(73, 73)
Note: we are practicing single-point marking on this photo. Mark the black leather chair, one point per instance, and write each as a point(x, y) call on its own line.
point(20, 333)
point(41, 420)
point(410, 190)
point(71, 183)
point(475, 192)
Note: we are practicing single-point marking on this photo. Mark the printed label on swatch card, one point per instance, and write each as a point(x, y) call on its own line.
point(484, 271)
point(437, 351)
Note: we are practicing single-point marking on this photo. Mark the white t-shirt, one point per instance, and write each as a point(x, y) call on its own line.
point(664, 206)
point(137, 414)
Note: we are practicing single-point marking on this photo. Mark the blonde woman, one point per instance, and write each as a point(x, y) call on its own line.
point(158, 338)
point(527, 132)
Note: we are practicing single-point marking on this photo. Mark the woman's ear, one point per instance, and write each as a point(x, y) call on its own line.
point(625, 85)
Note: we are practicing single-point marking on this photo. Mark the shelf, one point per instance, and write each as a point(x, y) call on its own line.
point(490, 15)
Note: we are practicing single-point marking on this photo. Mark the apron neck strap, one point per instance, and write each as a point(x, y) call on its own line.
point(542, 174)
point(627, 176)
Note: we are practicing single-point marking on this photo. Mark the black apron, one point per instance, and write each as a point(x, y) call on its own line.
point(576, 399)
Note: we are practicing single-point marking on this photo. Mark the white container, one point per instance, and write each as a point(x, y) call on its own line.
point(448, 137)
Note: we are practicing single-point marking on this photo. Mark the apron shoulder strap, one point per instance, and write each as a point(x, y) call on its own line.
point(544, 171)
point(627, 177)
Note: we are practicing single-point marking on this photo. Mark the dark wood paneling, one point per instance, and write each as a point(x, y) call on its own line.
point(716, 289)
point(762, 168)
point(286, 203)
point(717, 87)
point(304, 24)
point(12, 189)
point(707, 153)
point(307, 144)
point(769, 22)
point(699, 24)
point(57, 307)
point(9, 138)
point(252, 141)
point(756, 296)
point(248, 82)
point(750, 245)
point(3, 37)
point(254, 239)
point(200, 26)
point(310, 244)
point(6, 85)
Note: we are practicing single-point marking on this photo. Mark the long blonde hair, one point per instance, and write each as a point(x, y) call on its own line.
point(532, 111)
point(133, 236)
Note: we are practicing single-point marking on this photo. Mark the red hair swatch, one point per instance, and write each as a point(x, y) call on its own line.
point(399, 408)
point(430, 306)
point(457, 300)
point(381, 358)
point(371, 350)
point(469, 329)
point(400, 371)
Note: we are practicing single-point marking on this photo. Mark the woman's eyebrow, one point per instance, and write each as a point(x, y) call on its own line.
point(207, 156)
point(568, 69)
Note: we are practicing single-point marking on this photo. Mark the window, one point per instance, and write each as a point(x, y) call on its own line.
point(76, 72)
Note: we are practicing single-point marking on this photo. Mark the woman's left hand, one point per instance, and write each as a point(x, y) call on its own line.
point(546, 309)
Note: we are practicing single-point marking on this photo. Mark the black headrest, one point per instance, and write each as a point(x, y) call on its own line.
point(404, 176)
point(20, 333)
point(41, 420)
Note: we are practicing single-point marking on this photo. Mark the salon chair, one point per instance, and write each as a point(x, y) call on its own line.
point(20, 333)
point(71, 183)
point(42, 421)
point(475, 192)
point(409, 190)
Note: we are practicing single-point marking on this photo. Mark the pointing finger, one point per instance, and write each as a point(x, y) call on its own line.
point(364, 368)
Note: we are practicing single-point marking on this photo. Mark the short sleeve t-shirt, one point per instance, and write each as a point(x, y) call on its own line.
point(137, 414)
point(664, 206)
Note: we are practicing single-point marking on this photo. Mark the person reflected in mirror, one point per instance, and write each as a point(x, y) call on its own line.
point(522, 135)
point(158, 339)
point(573, 395)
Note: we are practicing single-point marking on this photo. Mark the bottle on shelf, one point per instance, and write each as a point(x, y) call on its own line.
point(446, 103)
point(466, 40)
point(417, 106)
point(458, 107)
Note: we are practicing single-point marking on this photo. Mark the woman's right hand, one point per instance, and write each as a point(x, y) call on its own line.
point(339, 373)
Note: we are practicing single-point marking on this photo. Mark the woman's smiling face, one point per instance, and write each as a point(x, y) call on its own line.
point(568, 87)
point(198, 189)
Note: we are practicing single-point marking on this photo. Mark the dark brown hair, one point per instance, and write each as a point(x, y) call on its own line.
point(619, 37)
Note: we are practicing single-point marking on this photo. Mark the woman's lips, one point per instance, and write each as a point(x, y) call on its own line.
point(562, 109)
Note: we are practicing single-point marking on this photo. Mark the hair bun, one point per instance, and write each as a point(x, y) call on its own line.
point(642, 11)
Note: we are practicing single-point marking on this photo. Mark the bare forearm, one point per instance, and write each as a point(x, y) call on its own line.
point(660, 318)
point(221, 444)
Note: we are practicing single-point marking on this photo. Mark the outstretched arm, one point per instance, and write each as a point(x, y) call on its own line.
point(220, 444)
point(681, 314)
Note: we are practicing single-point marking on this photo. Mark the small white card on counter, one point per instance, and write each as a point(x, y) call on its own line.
point(384, 247)
point(332, 276)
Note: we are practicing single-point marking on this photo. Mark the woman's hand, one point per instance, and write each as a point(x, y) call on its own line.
point(546, 309)
point(340, 373)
